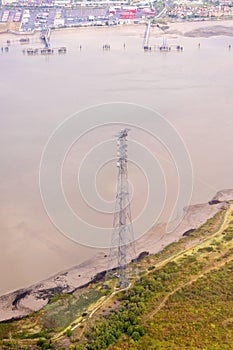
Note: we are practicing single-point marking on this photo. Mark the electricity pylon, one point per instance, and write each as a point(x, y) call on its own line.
point(122, 248)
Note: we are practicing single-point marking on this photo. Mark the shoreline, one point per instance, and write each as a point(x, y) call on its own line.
point(20, 303)
point(192, 29)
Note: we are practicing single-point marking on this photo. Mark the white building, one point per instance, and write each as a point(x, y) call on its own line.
point(62, 2)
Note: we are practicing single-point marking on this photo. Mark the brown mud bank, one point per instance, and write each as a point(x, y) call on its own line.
point(198, 29)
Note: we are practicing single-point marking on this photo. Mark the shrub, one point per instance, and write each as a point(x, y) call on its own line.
point(69, 332)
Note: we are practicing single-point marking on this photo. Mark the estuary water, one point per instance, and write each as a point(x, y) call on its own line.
point(191, 89)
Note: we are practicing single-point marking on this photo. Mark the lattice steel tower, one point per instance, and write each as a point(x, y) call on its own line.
point(122, 248)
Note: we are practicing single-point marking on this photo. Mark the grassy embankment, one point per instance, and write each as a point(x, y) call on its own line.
point(183, 300)
point(14, 26)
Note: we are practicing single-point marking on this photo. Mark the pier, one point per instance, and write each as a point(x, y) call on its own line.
point(164, 47)
point(146, 37)
point(5, 49)
point(45, 36)
point(45, 51)
point(106, 47)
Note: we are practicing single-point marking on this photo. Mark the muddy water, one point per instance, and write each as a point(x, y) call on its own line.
point(192, 89)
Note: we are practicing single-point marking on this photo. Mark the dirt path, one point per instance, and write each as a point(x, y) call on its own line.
point(193, 279)
point(84, 321)
point(228, 217)
point(216, 265)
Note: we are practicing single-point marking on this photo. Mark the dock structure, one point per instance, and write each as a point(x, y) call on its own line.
point(45, 51)
point(106, 47)
point(146, 37)
point(45, 36)
point(5, 49)
point(164, 47)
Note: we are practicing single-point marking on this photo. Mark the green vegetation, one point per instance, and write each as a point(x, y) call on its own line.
point(41, 326)
point(198, 316)
point(133, 325)
point(5, 329)
point(26, 335)
point(44, 344)
point(65, 310)
point(137, 325)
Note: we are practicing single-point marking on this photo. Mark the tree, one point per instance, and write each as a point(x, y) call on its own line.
point(135, 336)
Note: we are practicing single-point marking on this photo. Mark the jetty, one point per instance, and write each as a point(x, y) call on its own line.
point(45, 51)
point(106, 47)
point(164, 47)
point(146, 37)
point(5, 49)
point(45, 36)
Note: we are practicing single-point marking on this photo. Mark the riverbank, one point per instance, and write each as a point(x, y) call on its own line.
point(195, 29)
point(24, 301)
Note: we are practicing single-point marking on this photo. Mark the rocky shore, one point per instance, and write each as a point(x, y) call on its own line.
point(24, 301)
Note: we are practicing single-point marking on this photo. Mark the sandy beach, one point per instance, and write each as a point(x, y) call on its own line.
point(205, 28)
